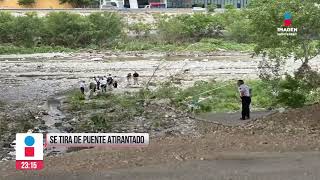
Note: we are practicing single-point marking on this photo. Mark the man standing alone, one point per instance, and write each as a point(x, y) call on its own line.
point(135, 78)
point(82, 85)
point(245, 95)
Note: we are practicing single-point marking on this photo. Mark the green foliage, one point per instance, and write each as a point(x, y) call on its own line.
point(211, 7)
point(134, 45)
point(20, 30)
point(26, 2)
point(237, 25)
point(6, 25)
point(204, 45)
point(292, 92)
point(266, 20)
point(76, 99)
point(105, 27)
point(66, 29)
point(10, 49)
point(140, 29)
point(101, 122)
point(105, 30)
point(188, 27)
point(79, 3)
point(60, 29)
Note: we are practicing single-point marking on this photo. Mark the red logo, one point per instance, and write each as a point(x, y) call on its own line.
point(287, 19)
point(29, 151)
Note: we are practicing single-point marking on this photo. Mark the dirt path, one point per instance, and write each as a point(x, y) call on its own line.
point(224, 166)
point(231, 119)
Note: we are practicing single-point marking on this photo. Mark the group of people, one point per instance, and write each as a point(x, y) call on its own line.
point(110, 82)
point(107, 82)
point(135, 76)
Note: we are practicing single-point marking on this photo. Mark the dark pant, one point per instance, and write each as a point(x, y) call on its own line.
point(245, 107)
point(98, 85)
point(104, 88)
point(82, 90)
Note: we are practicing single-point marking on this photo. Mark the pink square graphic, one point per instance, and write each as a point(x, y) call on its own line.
point(29, 151)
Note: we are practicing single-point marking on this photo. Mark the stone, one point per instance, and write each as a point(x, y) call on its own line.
point(58, 124)
point(43, 127)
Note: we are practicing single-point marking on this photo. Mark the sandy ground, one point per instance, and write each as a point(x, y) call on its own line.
point(33, 78)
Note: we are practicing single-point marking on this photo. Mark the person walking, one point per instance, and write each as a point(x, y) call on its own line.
point(109, 82)
point(245, 95)
point(97, 79)
point(93, 86)
point(104, 84)
point(115, 82)
point(82, 86)
point(129, 76)
point(135, 78)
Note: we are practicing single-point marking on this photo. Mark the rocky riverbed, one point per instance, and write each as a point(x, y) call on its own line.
point(32, 86)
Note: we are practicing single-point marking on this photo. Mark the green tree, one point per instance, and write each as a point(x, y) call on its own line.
point(6, 24)
point(105, 27)
point(26, 30)
point(237, 24)
point(26, 2)
point(66, 29)
point(79, 3)
point(267, 16)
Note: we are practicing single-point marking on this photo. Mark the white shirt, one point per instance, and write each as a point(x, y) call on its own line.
point(103, 81)
point(82, 85)
point(244, 89)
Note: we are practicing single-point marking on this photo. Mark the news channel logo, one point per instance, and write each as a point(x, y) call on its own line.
point(287, 29)
point(29, 151)
point(287, 22)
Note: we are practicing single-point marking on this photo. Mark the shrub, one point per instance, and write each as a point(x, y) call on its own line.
point(76, 99)
point(79, 3)
point(66, 29)
point(140, 29)
point(105, 27)
point(101, 122)
point(237, 24)
point(26, 30)
point(189, 27)
point(211, 7)
point(26, 2)
point(292, 92)
point(6, 25)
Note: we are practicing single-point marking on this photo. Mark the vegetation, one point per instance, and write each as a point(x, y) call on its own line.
point(265, 22)
point(26, 2)
point(140, 29)
point(204, 45)
point(60, 29)
point(294, 90)
point(211, 7)
point(203, 96)
point(10, 49)
point(80, 3)
point(186, 28)
point(200, 32)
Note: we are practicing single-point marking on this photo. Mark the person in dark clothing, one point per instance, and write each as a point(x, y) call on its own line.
point(82, 86)
point(109, 80)
point(245, 95)
point(135, 78)
point(115, 84)
point(97, 79)
point(129, 76)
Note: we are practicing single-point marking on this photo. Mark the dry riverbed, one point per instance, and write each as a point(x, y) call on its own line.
point(33, 85)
